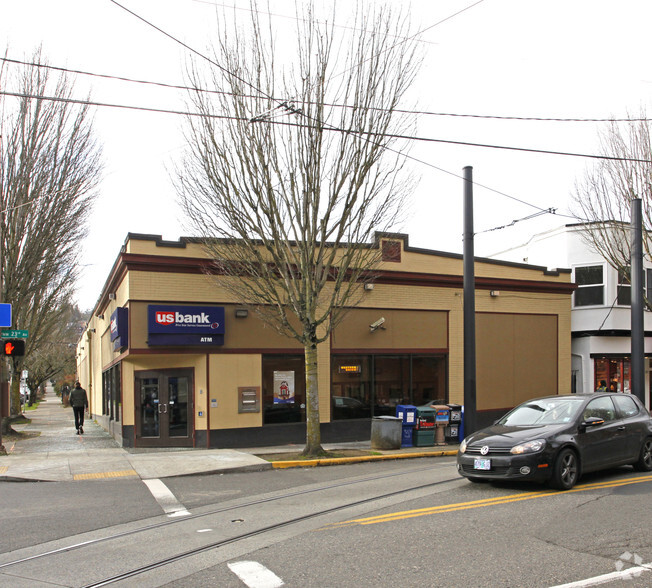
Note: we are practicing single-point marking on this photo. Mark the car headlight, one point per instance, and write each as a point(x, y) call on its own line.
point(463, 446)
point(529, 447)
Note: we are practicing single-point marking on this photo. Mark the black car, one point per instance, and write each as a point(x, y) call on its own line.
point(558, 438)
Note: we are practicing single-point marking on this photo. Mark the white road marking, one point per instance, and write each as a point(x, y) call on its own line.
point(168, 502)
point(627, 574)
point(255, 575)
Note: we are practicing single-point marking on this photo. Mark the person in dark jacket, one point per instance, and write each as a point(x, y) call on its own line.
point(79, 402)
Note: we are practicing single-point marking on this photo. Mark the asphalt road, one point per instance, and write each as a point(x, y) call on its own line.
point(404, 523)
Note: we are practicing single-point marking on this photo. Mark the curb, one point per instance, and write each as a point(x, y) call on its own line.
point(308, 463)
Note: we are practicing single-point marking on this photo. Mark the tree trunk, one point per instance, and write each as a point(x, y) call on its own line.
point(16, 407)
point(313, 430)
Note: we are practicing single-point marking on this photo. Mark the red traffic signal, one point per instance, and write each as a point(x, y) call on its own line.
point(13, 347)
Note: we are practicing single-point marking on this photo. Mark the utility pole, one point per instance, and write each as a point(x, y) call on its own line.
point(4, 390)
point(638, 327)
point(470, 424)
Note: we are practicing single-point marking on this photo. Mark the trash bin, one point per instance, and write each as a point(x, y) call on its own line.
point(424, 432)
point(452, 431)
point(386, 432)
point(408, 414)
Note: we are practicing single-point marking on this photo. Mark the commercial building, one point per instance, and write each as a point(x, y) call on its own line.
point(169, 358)
point(601, 313)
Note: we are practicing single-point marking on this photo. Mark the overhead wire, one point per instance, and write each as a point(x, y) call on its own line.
point(329, 104)
point(292, 110)
point(327, 127)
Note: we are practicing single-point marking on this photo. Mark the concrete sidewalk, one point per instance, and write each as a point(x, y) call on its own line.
point(58, 454)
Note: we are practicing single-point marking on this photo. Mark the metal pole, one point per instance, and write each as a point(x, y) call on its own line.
point(638, 331)
point(470, 424)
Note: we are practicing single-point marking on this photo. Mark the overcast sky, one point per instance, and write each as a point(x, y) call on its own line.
point(587, 59)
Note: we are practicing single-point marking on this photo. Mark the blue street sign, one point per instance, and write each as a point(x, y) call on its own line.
point(5, 315)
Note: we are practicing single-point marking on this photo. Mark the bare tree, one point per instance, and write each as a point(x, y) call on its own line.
point(50, 169)
point(287, 188)
point(56, 356)
point(605, 194)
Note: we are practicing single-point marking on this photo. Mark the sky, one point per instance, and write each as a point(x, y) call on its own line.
point(571, 59)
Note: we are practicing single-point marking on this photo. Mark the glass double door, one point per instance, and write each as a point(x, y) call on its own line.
point(164, 408)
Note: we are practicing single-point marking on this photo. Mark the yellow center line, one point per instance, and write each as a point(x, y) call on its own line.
point(433, 510)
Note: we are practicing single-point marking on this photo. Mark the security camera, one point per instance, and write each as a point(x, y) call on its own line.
point(377, 324)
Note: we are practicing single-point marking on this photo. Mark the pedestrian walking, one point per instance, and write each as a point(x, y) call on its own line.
point(79, 402)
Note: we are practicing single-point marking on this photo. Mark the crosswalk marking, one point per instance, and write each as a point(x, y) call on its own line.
point(255, 575)
point(167, 501)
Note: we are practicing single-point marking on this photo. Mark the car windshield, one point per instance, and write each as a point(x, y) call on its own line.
point(546, 411)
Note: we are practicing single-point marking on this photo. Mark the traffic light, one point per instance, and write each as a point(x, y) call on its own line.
point(13, 347)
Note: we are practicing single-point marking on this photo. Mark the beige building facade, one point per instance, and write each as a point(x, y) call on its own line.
point(171, 359)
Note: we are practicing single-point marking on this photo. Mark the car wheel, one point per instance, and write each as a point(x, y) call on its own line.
point(566, 471)
point(644, 463)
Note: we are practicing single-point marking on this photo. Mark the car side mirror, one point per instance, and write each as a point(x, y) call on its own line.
point(591, 422)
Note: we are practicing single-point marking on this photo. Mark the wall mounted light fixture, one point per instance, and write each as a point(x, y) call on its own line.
point(241, 313)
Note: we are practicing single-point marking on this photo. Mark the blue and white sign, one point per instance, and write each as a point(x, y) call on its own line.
point(120, 328)
point(5, 315)
point(185, 325)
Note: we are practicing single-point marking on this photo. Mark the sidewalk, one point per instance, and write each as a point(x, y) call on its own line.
point(58, 454)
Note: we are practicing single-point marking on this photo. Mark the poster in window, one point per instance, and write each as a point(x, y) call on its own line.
point(283, 387)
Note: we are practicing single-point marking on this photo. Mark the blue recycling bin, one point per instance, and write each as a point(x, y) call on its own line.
point(408, 414)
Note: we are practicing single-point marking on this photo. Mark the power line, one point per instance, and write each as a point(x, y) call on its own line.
point(297, 18)
point(326, 127)
point(330, 104)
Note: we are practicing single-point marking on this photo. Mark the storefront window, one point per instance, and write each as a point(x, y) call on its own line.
point(392, 383)
point(111, 390)
point(351, 387)
point(615, 372)
point(284, 389)
point(373, 385)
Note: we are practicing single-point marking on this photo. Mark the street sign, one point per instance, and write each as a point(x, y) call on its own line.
point(14, 334)
point(5, 315)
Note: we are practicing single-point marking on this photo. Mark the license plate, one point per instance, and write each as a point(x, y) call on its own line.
point(482, 464)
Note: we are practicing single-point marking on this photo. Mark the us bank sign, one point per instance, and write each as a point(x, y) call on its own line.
point(185, 325)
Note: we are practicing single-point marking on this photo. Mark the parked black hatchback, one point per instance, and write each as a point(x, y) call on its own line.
point(558, 438)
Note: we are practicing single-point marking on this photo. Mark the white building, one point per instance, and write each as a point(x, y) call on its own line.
point(601, 311)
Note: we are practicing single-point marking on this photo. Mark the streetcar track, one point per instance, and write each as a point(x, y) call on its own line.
point(167, 522)
point(222, 543)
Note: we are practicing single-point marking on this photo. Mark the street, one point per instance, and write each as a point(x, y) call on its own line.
point(409, 523)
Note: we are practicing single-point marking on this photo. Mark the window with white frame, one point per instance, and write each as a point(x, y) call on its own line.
point(624, 287)
point(590, 285)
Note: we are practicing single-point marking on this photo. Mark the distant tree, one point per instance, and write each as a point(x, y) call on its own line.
point(603, 197)
point(55, 357)
point(50, 166)
point(290, 192)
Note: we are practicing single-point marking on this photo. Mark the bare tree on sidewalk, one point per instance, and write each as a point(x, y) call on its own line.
point(50, 166)
point(605, 194)
point(55, 356)
point(289, 173)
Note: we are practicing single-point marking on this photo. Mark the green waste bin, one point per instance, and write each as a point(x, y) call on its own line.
point(424, 432)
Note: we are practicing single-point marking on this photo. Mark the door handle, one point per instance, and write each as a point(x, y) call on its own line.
point(162, 408)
